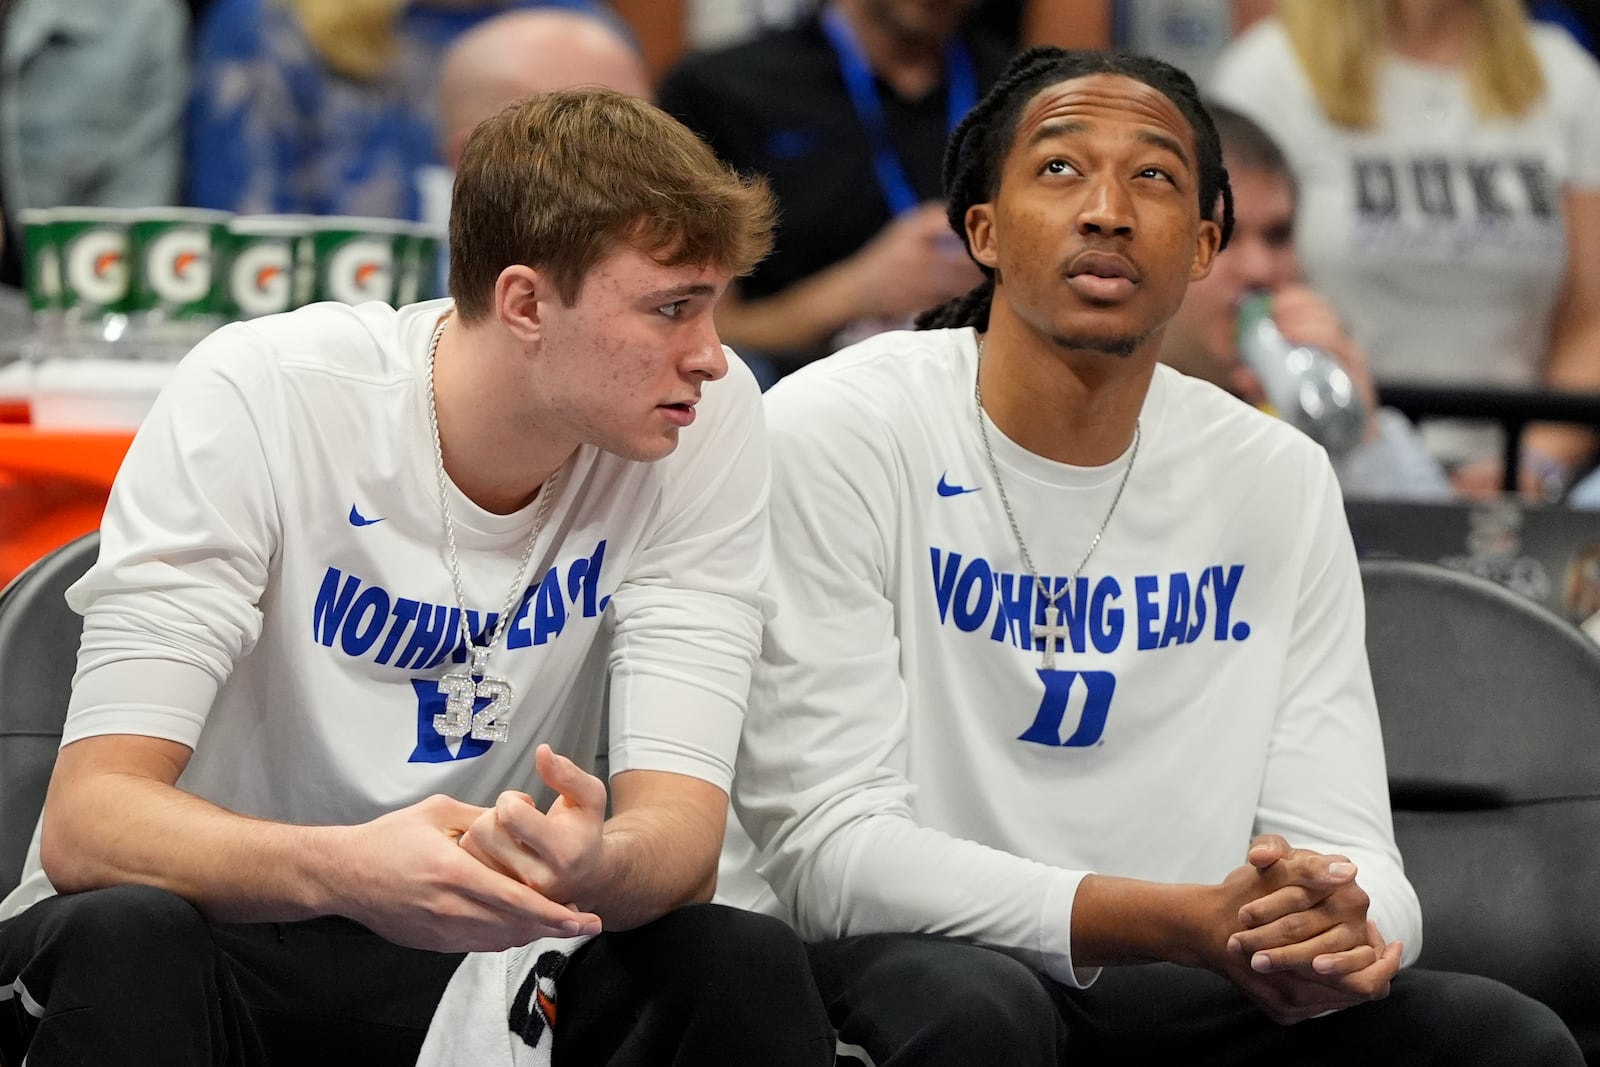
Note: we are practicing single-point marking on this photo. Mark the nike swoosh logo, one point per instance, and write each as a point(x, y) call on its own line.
point(946, 489)
point(356, 518)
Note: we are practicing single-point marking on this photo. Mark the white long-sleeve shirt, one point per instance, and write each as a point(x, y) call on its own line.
point(908, 761)
point(272, 588)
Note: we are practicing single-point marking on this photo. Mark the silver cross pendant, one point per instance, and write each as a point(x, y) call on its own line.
point(1051, 631)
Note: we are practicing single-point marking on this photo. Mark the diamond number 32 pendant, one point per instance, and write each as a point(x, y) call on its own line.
point(463, 689)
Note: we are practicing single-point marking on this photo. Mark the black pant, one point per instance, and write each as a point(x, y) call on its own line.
point(928, 1001)
point(136, 976)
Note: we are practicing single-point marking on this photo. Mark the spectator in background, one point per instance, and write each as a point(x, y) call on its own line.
point(1448, 159)
point(91, 105)
point(1391, 461)
point(323, 106)
point(1187, 33)
point(669, 29)
point(846, 114)
point(513, 56)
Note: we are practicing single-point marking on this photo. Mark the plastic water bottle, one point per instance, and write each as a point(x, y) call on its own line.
point(1305, 386)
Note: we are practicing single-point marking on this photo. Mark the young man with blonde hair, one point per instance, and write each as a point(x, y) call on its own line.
point(365, 579)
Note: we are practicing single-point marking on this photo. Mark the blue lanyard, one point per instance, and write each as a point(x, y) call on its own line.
point(960, 73)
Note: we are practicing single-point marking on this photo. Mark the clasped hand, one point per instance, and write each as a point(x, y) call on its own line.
point(556, 852)
point(449, 876)
point(1304, 944)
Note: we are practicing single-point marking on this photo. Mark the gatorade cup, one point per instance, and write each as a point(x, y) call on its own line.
point(96, 277)
point(172, 302)
point(421, 278)
point(266, 266)
point(42, 267)
point(360, 259)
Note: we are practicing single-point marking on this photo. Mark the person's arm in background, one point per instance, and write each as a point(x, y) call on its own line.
point(1575, 345)
point(913, 263)
point(1554, 453)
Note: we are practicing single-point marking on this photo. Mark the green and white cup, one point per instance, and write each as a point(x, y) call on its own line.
point(422, 274)
point(96, 270)
point(41, 265)
point(361, 259)
point(172, 300)
point(266, 266)
point(41, 261)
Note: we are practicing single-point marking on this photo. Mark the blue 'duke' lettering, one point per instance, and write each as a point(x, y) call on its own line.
point(1099, 687)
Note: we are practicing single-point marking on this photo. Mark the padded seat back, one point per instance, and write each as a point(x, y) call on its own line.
point(1490, 709)
point(38, 653)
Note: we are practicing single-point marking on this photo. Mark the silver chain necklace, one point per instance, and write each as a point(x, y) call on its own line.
point(462, 689)
point(1051, 630)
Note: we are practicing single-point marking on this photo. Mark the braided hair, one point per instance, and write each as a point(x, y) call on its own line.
point(979, 145)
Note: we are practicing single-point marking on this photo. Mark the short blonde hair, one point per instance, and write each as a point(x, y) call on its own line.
point(561, 180)
point(1341, 43)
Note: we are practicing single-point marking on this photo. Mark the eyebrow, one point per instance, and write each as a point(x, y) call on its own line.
point(681, 292)
point(1070, 127)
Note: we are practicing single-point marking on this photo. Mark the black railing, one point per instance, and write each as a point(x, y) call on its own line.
point(1512, 409)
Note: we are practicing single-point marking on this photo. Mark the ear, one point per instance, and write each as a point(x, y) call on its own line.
point(1207, 242)
point(519, 292)
point(980, 235)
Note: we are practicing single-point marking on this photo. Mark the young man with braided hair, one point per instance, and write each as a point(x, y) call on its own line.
point(1067, 672)
point(366, 576)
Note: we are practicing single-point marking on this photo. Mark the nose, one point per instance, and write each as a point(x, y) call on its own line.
point(1107, 209)
point(706, 360)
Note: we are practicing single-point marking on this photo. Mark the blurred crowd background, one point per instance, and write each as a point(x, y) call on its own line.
point(1417, 184)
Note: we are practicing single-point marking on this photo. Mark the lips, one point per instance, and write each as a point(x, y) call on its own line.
point(680, 413)
point(1102, 265)
point(1102, 277)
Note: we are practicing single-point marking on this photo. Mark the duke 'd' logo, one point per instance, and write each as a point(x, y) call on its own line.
point(260, 278)
point(97, 266)
point(178, 266)
point(361, 270)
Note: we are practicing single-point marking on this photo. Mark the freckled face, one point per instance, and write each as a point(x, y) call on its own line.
point(1096, 229)
point(623, 367)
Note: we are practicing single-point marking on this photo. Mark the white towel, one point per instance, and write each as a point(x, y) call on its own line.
point(499, 1009)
